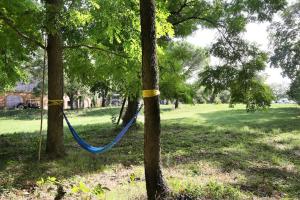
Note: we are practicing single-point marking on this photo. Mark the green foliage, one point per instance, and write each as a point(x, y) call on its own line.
point(115, 32)
point(13, 58)
point(100, 190)
point(239, 59)
point(74, 88)
point(294, 91)
point(255, 95)
point(286, 41)
point(18, 40)
point(187, 15)
point(238, 74)
point(178, 62)
point(80, 187)
point(48, 180)
point(132, 177)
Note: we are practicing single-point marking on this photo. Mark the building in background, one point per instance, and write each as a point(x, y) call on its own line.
point(23, 95)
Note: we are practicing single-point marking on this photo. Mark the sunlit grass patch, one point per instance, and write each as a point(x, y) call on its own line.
point(208, 152)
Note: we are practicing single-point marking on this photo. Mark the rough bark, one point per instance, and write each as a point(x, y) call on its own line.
point(55, 143)
point(155, 184)
point(132, 107)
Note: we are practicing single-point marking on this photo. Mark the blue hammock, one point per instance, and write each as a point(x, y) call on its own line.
point(101, 149)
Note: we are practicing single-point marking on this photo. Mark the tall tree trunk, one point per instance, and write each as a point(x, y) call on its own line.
point(176, 103)
point(132, 107)
point(155, 184)
point(55, 142)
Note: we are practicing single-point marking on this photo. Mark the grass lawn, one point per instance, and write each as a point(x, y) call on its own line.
point(208, 152)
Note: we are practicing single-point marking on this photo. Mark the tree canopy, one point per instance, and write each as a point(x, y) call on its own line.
point(179, 62)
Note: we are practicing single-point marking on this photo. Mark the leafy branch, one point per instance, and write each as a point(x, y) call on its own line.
point(95, 48)
point(9, 22)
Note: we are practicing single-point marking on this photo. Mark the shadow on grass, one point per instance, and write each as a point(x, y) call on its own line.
point(98, 112)
point(274, 118)
point(31, 114)
point(165, 109)
point(221, 141)
point(18, 155)
point(26, 114)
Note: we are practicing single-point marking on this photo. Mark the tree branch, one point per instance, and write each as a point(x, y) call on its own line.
point(11, 24)
point(94, 48)
point(182, 6)
point(196, 17)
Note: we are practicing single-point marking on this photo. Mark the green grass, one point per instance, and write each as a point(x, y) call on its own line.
point(208, 152)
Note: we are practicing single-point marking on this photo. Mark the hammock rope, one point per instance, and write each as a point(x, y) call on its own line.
point(101, 149)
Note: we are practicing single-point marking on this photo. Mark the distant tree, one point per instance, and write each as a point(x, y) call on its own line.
point(294, 90)
point(75, 90)
point(178, 63)
point(230, 20)
point(279, 90)
point(285, 35)
point(257, 95)
point(239, 73)
point(102, 89)
point(201, 95)
point(224, 96)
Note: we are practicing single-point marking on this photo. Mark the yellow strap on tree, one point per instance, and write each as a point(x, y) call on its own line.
point(55, 102)
point(150, 93)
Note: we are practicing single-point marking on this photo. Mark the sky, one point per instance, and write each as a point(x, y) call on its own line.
point(255, 32)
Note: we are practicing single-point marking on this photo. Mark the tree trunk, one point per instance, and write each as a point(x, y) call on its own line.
point(121, 111)
point(132, 107)
point(212, 98)
point(104, 94)
point(55, 142)
point(81, 102)
point(71, 96)
point(155, 183)
point(176, 103)
point(103, 102)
